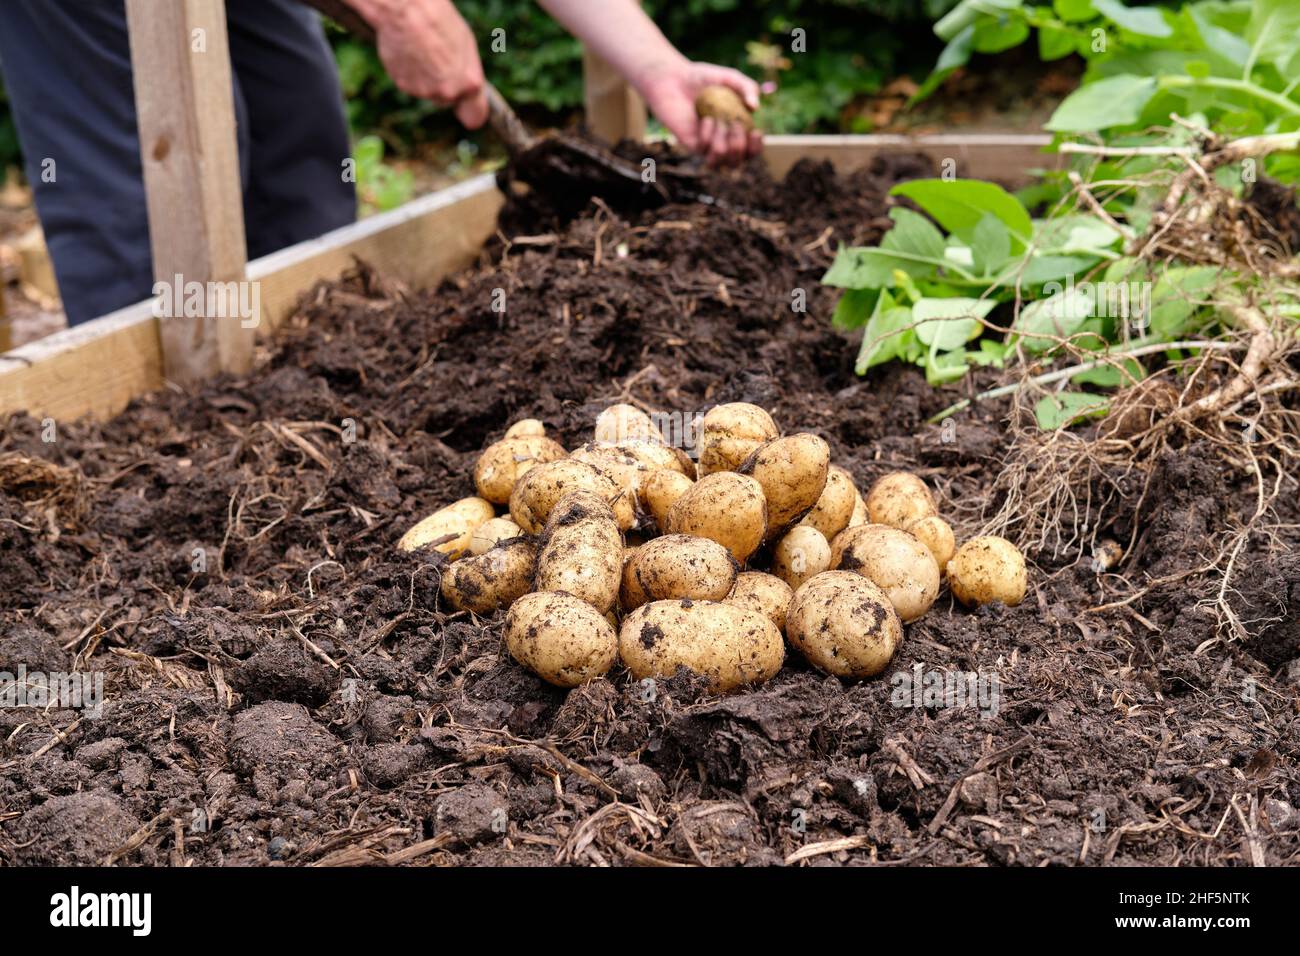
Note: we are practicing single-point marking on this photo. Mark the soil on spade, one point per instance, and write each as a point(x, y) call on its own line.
point(283, 687)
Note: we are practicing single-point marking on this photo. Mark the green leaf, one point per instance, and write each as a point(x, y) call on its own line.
point(1054, 43)
point(1274, 33)
point(959, 204)
point(990, 244)
point(1114, 101)
point(1063, 409)
point(887, 335)
point(1074, 233)
point(946, 324)
point(1126, 372)
point(913, 246)
point(1145, 21)
point(995, 36)
point(940, 369)
point(1178, 295)
point(1058, 315)
point(854, 308)
point(955, 55)
point(967, 13)
point(913, 233)
point(1074, 11)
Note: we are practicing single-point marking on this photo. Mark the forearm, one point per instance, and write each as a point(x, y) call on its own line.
point(619, 32)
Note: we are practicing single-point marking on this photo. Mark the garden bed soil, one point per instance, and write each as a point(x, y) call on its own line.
point(283, 687)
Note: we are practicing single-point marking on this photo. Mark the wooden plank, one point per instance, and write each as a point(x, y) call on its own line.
point(97, 368)
point(996, 156)
point(186, 114)
point(614, 110)
point(419, 244)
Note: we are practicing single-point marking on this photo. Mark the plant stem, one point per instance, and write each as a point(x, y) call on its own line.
point(1235, 86)
point(1060, 374)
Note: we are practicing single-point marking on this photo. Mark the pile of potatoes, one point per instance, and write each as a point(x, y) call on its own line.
point(626, 549)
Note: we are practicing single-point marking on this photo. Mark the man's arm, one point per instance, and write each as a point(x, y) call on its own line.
point(621, 33)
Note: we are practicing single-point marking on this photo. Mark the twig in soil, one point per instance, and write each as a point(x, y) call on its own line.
point(827, 846)
point(984, 763)
point(589, 775)
point(136, 839)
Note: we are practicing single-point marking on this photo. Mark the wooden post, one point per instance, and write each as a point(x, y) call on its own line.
point(6, 338)
point(186, 114)
point(614, 110)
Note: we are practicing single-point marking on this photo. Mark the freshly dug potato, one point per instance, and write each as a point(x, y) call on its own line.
point(491, 533)
point(729, 645)
point(844, 624)
point(620, 423)
point(723, 104)
point(988, 569)
point(723, 507)
point(765, 593)
point(800, 554)
point(526, 428)
point(492, 580)
point(626, 470)
point(859, 512)
point(561, 639)
point(792, 471)
point(503, 463)
point(581, 551)
point(730, 433)
point(653, 455)
point(660, 490)
point(834, 509)
point(936, 534)
point(899, 498)
point(537, 492)
point(449, 529)
point(896, 561)
point(677, 566)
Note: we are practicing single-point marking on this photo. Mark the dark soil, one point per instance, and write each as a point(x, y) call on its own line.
point(283, 687)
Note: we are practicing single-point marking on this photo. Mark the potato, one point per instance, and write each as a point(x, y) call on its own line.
point(898, 499)
point(581, 551)
point(492, 580)
point(677, 566)
point(537, 492)
point(844, 624)
point(800, 554)
point(449, 529)
point(765, 593)
point(503, 463)
point(626, 470)
point(653, 456)
point(895, 561)
point(730, 433)
point(792, 471)
point(526, 428)
point(936, 534)
point(561, 639)
point(988, 569)
point(729, 645)
point(859, 512)
point(620, 423)
point(660, 490)
point(834, 509)
point(723, 104)
point(491, 533)
point(723, 507)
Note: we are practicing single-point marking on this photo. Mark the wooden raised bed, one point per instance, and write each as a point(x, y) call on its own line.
point(187, 138)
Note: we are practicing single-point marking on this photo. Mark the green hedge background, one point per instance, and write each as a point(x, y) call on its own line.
point(853, 47)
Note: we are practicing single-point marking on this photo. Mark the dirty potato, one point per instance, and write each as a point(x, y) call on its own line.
point(449, 529)
point(731, 646)
point(724, 105)
point(560, 638)
point(677, 566)
point(844, 624)
point(765, 593)
point(492, 580)
point(620, 423)
point(859, 512)
point(538, 491)
point(801, 553)
point(730, 433)
point(899, 498)
point(526, 428)
point(581, 551)
point(936, 534)
point(792, 471)
point(834, 509)
point(988, 569)
point(503, 463)
point(491, 533)
point(897, 562)
point(660, 490)
point(724, 507)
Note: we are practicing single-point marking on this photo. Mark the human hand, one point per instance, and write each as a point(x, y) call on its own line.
point(429, 51)
point(670, 91)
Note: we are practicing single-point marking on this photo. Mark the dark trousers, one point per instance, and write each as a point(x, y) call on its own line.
point(67, 70)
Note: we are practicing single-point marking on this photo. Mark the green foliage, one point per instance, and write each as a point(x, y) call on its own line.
point(380, 187)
